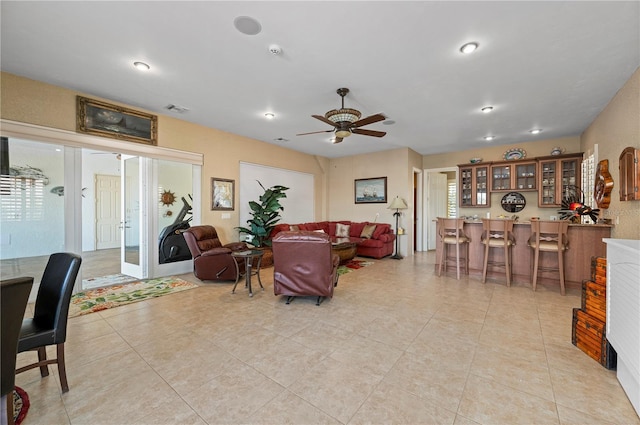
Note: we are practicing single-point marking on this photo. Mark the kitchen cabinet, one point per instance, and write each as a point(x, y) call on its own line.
point(556, 176)
point(474, 186)
point(629, 175)
point(508, 176)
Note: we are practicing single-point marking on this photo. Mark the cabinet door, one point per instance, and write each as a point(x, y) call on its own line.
point(466, 187)
point(570, 169)
point(548, 176)
point(501, 177)
point(629, 175)
point(525, 176)
point(482, 198)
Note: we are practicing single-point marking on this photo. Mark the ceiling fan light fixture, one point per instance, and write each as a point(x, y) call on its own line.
point(343, 115)
point(342, 133)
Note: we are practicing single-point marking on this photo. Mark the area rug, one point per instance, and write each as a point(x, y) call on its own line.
point(112, 279)
point(103, 298)
point(20, 405)
point(353, 265)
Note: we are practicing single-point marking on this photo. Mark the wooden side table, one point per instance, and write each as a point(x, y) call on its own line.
point(252, 259)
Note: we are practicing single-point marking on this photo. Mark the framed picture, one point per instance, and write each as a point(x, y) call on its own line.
point(106, 120)
point(222, 194)
point(371, 191)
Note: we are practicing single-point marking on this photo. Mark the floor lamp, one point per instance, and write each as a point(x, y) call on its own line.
point(397, 204)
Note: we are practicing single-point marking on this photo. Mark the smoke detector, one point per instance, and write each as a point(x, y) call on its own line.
point(175, 108)
point(275, 49)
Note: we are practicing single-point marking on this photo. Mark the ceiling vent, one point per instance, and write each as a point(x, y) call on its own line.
point(175, 108)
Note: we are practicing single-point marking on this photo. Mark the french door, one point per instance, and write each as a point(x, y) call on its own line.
point(134, 237)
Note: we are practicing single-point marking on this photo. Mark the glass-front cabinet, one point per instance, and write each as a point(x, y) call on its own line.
point(557, 175)
point(519, 176)
point(474, 186)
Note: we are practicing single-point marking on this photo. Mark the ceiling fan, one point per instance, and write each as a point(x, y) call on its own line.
point(346, 121)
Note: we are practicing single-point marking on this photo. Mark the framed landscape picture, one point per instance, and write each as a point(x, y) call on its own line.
point(107, 120)
point(371, 191)
point(222, 194)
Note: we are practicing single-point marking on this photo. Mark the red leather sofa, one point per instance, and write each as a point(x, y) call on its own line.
point(379, 245)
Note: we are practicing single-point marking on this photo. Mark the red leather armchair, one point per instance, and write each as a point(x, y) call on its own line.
point(211, 259)
point(303, 265)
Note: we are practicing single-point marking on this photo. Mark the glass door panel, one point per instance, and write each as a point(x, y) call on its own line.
point(132, 217)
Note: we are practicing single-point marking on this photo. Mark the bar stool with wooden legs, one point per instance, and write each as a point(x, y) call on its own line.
point(497, 233)
point(452, 233)
point(549, 236)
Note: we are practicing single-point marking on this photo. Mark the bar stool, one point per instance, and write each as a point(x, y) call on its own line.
point(549, 236)
point(497, 233)
point(451, 233)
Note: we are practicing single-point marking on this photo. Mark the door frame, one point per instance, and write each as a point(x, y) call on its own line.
point(73, 144)
point(427, 194)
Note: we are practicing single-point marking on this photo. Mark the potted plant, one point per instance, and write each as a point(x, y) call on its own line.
point(265, 215)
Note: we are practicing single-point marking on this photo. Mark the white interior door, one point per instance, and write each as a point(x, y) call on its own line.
point(108, 207)
point(436, 204)
point(134, 218)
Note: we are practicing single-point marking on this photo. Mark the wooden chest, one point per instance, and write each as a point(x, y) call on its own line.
point(599, 270)
point(588, 334)
point(594, 299)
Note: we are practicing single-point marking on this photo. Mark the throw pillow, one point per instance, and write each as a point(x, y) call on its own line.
point(367, 231)
point(294, 228)
point(342, 230)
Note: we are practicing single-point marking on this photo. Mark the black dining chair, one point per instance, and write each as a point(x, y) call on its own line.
point(49, 323)
point(14, 294)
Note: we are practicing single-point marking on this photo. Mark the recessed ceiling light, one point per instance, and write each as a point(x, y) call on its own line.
point(535, 131)
point(281, 139)
point(270, 115)
point(489, 138)
point(141, 66)
point(469, 47)
point(247, 25)
point(388, 122)
point(487, 109)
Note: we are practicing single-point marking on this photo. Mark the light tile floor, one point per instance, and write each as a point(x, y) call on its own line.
point(396, 344)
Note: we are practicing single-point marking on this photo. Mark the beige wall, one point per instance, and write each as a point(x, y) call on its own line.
point(342, 173)
point(33, 102)
point(617, 127)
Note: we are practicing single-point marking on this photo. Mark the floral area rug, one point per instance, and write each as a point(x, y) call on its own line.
point(353, 265)
point(103, 298)
point(112, 279)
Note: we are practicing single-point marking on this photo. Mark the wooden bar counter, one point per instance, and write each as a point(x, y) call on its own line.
point(585, 241)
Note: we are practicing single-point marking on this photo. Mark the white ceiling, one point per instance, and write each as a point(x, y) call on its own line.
point(550, 65)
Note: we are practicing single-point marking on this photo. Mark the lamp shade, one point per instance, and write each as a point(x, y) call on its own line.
point(398, 204)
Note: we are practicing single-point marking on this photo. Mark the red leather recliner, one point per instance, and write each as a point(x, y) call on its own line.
point(211, 259)
point(303, 264)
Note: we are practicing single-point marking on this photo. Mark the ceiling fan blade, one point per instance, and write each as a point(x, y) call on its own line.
point(315, 132)
point(369, 120)
point(323, 119)
point(365, 132)
point(338, 140)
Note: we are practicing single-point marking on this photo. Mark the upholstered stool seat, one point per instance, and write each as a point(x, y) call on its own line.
point(497, 234)
point(451, 232)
